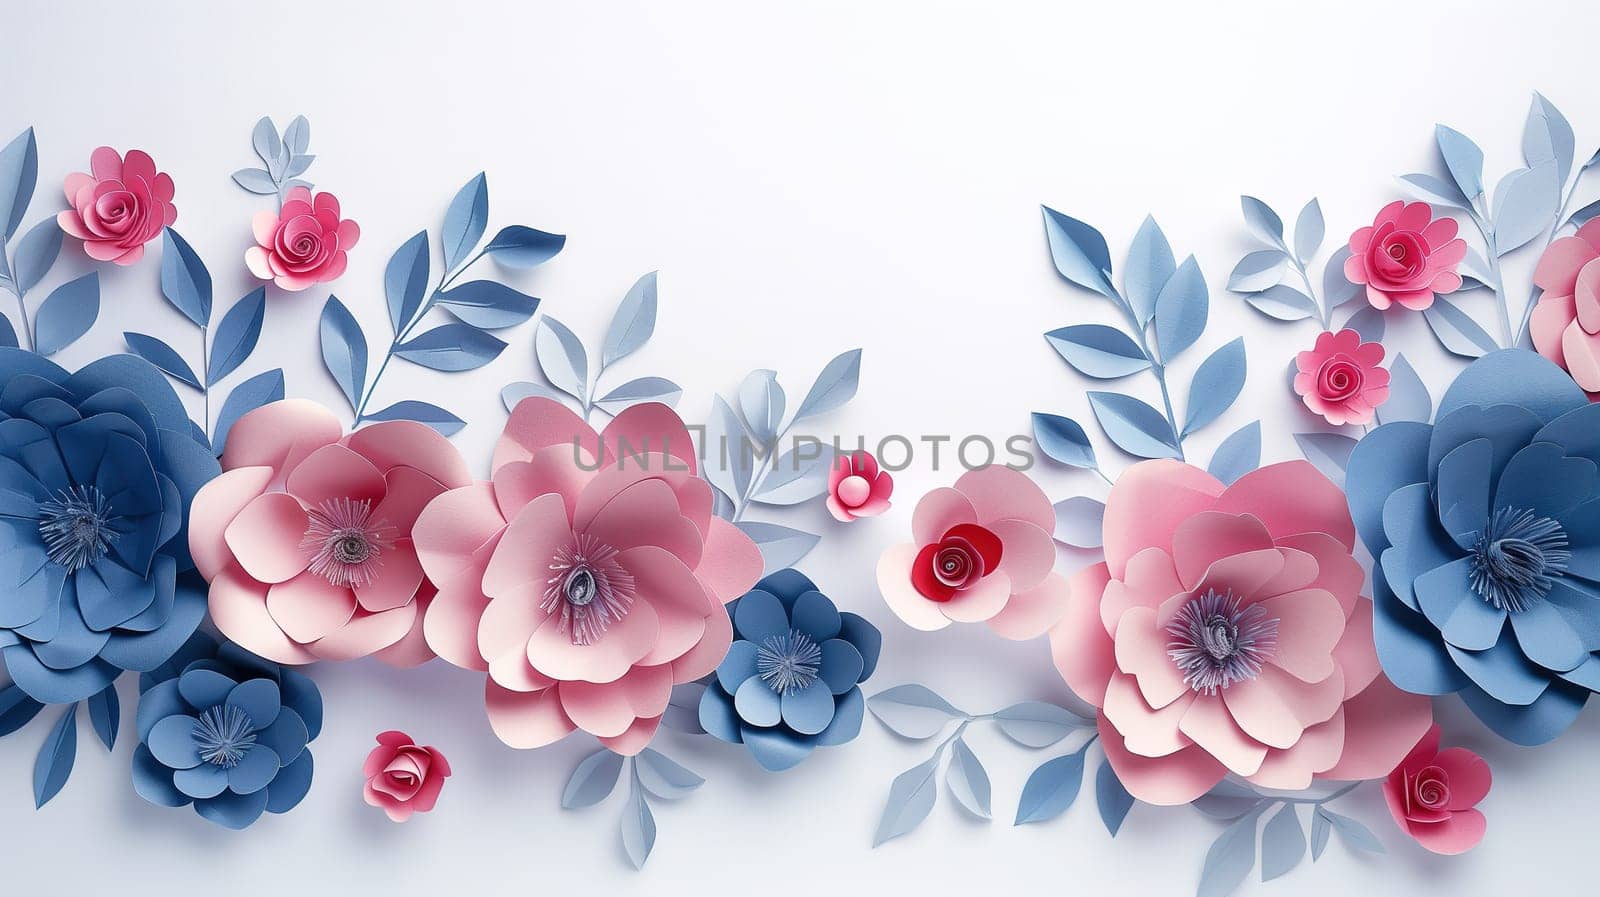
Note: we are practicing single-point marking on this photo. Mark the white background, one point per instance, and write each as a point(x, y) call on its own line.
point(807, 178)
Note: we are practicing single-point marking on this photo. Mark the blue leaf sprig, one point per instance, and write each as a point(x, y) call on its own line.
point(70, 309)
point(1260, 276)
point(650, 774)
point(285, 156)
point(1283, 839)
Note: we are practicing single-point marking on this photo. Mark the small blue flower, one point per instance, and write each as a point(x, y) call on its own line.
point(225, 731)
point(790, 680)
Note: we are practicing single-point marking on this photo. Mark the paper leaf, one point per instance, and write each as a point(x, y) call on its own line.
point(1456, 331)
point(562, 358)
point(54, 763)
point(683, 709)
point(761, 401)
point(664, 777)
point(1369, 322)
point(1150, 265)
point(264, 139)
point(1262, 220)
point(729, 457)
point(8, 334)
point(105, 715)
point(593, 780)
point(1113, 799)
point(1328, 452)
point(911, 798)
point(1135, 427)
point(36, 252)
point(1038, 724)
point(523, 247)
point(162, 356)
point(798, 475)
point(1228, 802)
point(405, 281)
point(1408, 397)
point(19, 174)
point(237, 335)
point(780, 546)
point(1337, 289)
point(1283, 302)
point(1524, 202)
point(835, 386)
point(16, 709)
point(1079, 252)
point(67, 313)
point(464, 220)
point(1078, 521)
point(451, 347)
point(1257, 271)
point(1463, 158)
point(1354, 834)
point(1216, 385)
point(642, 389)
point(1283, 843)
point(1098, 351)
point(1063, 440)
point(1436, 191)
point(184, 279)
point(1230, 858)
point(298, 135)
point(1309, 230)
point(1181, 310)
point(344, 350)
point(263, 388)
point(1320, 830)
point(633, 323)
point(638, 828)
point(256, 180)
point(512, 393)
point(1239, 454)
point(1051, 789)
point(1547, 137)
point(913, 711)
point(421, 412)
point(488, 305)
point(967, 780)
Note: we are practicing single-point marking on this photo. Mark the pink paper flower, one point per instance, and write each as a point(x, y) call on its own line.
point(403, 777)
point(1340, 379)
point(587, 578)
point(857, 488)
point(306, 537)
point(304, 243)
point(1566, 323)
point(1432, 794)
point(1406, 256)
point(983, 552)
point(118, 207)
point(1225, 633)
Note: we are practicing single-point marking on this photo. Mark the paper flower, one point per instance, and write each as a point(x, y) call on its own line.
point(587, 578)
point(1565, 325)
point(228, 734)
point(304, 243)
point(119, 206)
point(1486, 526)
point(1224, 633)
point(306, 536)
point(1340, 379)
point(403, 777)
point(983, 552)
point(96, 471)
point(1432, 793)
point(789, 683)
point(857, 488)
point(1406, 256)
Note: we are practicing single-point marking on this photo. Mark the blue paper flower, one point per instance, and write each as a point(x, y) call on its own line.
point(97, 469)
point(789, 682)
point(227, 733)
point(1486, 527)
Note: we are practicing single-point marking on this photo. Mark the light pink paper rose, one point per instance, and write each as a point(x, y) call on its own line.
point(1433, 794)
point(1340, 378)
point(119, 206)
point(857, 488)
point(304, 243)
point(403, 777)
point(1225, 633)
point(587, 578)
point(1406, 256)
point(306, 537)
point(1565, 325)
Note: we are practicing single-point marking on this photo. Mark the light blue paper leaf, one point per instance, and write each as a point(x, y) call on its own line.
point(665, 777)
point(184, 279)
point(1216, 385)
point(1524, 202)
point(913, 711)
point(1320, 829)
point(1257, 271)
point(799, 475)
point(911, 798)
point(729, 457)
point(451, 347)
point(1113, 799)
point(1098, 351)
point(1239, 454)
point(1435, 191)
point(761, 400)
point(683, 709)
point(1367, 321)
point(16, 709)
point(421, 412)
point(1262, 221)
point(1150, 265)
point(1283, 302)
point(67, 313)
point(405, 281)
point(105, 715)
point(19, 174)
point(1135, 427)
point(465, 220)
point(263, 388)
point(1355, 835)
point(1079, 252)
point(237, 335)
point(780, 546)
point(1181, 310)
point(298, 135)
point(1227, 801)
point(523, 247)
point(54, 763)
point(835, 386)
point(1051, 789)
point(1283, 843)
point(36, 252)
point(1063, 440)
point(562, 358)
point(1408, 397)
point(344, 349)
point(264, 139)
point(1309, 230)
point(1328, 452)
point(256, 180)
point(297, 166)
point(162, 356)
point(1078, 521)
point(642, 389)
point(487, 304)
point(1463, 158)
point(633, 323)
point(1038, 724)
point(1584, 215)
point(968, 780)
point(1336, 288)
point(1456, 331)
point(638, 829)
point(512, 393)
point(1547, 137)
point(8, 335)
point(1230, 858)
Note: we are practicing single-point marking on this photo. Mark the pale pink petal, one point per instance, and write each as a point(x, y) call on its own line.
point(1142, 653)
point(706, 656)
point(1457, 834)
point(537, 422)
point(894, 581)
point(1551, 318)
point(399, 576)
point(1242, 574)
point(366, 633)
point(507, 625)
point(549, 470)
point(264, 227)
point(1293, 769)
point(521, 565)
point(939, 510)
point(309, 607)
point(1173, 780)
point(1028, 555)
point(1148, 502)
point(608, 710)
point(412, 648)
point(406, 491)
point(1310, 623)
point(214, 507)
point(1082, 651)
point(398, 443)
point(255, 259)
point(1031, 613)
point(643, 513)
point(1337, 571)
point(680, 601)
point(1264, 712)
point(333, 472)
point(552, 652)
point(526, 720)
point(1581, 352)
point(980, 601)
point(1355, 654)
point(1557, 271)
point(730, 564)
point(451, 622)
point(1291, 497)
point(635, 739)
point(647, 428)
point(1208, 722)
point(238, 607)
point(265, 537)
point(1381, 725)
point(1209, 536)
point(511, 670)
point(1001, 493)
point(452, 528)
point(1146, 731)
point(1299, 571)
point(279, 434)
point(1149, 581)
point(1469, 777)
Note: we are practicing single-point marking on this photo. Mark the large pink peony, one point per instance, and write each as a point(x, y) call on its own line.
point(302, 244)
point(1406, 256)
point(120, 205)
point(306, 537)
point(1225, 633)
point(587, 578)
point(1565, 325)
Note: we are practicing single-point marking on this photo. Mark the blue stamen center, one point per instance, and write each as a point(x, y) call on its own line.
point(1517, 559)
point(223, 735)
point(76, 527)
point(788, 663)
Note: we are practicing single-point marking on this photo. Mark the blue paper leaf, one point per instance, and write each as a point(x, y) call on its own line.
point(967, 780)
point(405, 281)
point(54, 763)
point(1463, 158)
point(1078, 521)
point(633, 322)
point(1354, 834)
point(780, 546)
point(562, 358)
point(761, 400)
point(256, 180)
point(642, 389)
point(237, 335)
point(1051, 789)
point(592, 781)
point(67, 313)
point(683, 709)
point(512, 393)
point(1135, 427)
point(1239, 454)
point(1098, 351)
point(421, 412)
point(1181, 310)
point(1309, 230)
point(1456, 331)
point(465, 220)
point(664, 777)
point(1079, 252)
point(264, 139)
point(184, 279)
point(451, 347)
point(1227, 801)
point(1328, 452)
point(297, 166)
point(835, 386)
point(1283, 302)
point(344, 350)
point(1369, 322)
point(1283, 843)
point(105, 715)
point(1216, 385)
point(1436, 191)
point(298, 135)
point(911, 798)
point(799, 475)
point(8, 335)
point(638, 829)
point(523, 247)
point(1408, 397)
point(259, 390)
point(729, 457)
point(913, 711)
point(488, 305)
point(1230, 858)
point(1547, 137)
point(1262, 220)
point(1320, 829)
point(1113, 799)
point(1150, 265)
point(1336, 288)
point(162, 356)
point(16, 709)
point(1257, 271)
point(36, 252)
point(1524, 202)
point(1063, 440)
point(1038, 724)
point(19, 174)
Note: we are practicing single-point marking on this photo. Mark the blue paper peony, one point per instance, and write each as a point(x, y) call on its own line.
point(226, 732)
point(1486, 527)
point(97, 469)
point(790, 680)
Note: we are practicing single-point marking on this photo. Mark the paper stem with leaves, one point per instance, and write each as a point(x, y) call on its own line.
point(651, 773)
point(285, 157)
point(70, 309)
point(1258, 277)
point(1232, 855)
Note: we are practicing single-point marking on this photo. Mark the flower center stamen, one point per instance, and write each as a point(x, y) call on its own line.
point(76, 527)
point(788, 663)
point(588, 589)
point(1517, 559)
point(223, 735)
point(1216, 642)
point(345, 542)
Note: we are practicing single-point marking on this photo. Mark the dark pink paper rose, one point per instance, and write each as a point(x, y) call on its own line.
point(1406, 256)
point(120, 205)
point(403, 777)
point(304, 243)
